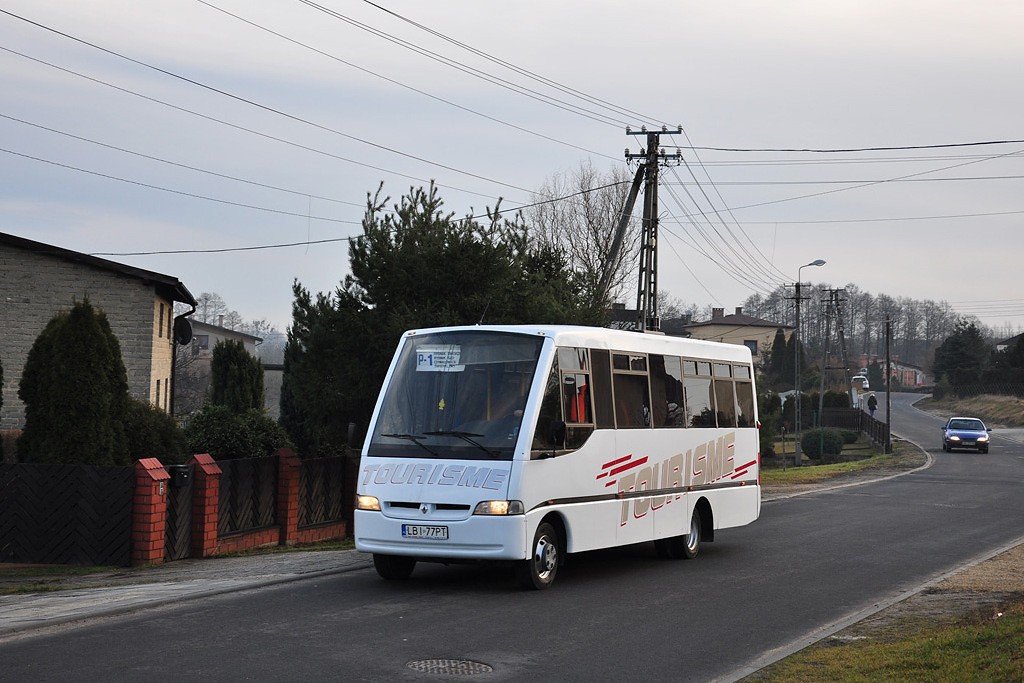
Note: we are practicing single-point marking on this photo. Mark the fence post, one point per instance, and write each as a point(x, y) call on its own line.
point(288, 465)
point(149, 512)
point(205, 502)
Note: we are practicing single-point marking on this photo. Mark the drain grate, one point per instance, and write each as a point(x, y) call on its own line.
point(455, 667)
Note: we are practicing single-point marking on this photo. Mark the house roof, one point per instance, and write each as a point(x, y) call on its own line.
point(166, 286)
point(199, 326)
point(739, 320)
point(1011, 341)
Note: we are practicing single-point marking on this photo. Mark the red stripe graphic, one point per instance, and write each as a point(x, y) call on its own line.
point(629, 466)
point(616, 462)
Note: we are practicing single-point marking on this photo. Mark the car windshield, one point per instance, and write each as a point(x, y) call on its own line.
point(967, 424)
point(457, 395)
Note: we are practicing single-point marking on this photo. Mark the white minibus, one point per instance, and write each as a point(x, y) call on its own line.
point(527, 443)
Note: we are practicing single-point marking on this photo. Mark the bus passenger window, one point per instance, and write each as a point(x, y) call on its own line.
point(632, 408)
point(576, 398)
point(667, 391)
point(726, 401)
point(745, 403)
point(700, 402)
point(601, 379)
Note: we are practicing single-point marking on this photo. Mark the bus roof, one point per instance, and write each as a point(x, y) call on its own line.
point(614, 340)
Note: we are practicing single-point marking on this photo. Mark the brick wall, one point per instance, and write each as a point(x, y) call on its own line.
point(35, 286)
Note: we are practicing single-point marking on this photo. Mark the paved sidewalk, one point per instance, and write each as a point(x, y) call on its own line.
point(116, 592)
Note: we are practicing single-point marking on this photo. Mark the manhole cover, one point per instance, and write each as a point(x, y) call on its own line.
point(455, 667)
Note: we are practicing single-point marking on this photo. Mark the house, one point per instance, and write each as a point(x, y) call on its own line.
point(737, 328)
point(194, 363)
point(39, 280)
point(1009, 343)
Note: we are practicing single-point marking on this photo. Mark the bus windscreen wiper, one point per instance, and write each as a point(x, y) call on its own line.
point(415, 438)
point(468, 438)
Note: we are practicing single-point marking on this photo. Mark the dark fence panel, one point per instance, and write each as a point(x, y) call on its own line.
point(321, 491)
point(248, 494)
point(841, 418)
point(66, 514)
point(178, 533)
point(876, 429)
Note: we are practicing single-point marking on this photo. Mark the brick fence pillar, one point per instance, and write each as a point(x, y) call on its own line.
point(288, 465)
point(149, 512)
point(205, 504)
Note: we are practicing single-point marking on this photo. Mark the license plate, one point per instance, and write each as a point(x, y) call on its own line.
point(424, 531)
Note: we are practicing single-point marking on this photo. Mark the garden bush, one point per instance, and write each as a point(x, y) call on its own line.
point(819, 442)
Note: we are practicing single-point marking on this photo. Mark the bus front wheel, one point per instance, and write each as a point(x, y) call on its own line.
point(393, 567)
point(539, 569)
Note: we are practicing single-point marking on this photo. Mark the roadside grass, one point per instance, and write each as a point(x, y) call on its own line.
point(773, 474)
point(1002, 411)
point(982, 647)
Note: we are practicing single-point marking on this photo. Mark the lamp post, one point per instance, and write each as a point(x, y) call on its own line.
point(796, 365)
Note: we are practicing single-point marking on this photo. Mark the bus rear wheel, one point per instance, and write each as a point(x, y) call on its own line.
point(538, 571)
point(684, 547)
point(393, 567)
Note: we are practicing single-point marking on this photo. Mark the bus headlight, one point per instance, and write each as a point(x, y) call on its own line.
point(367, 503)
point(499, 507)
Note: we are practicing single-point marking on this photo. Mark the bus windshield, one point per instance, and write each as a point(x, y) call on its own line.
point(457, 395)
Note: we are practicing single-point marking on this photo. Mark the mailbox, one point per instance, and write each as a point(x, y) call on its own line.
point(180, 474)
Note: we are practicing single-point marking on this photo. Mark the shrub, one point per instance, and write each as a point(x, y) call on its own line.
point(236, 377)
point(75, 390)
point(152, 433)
point(819, 442)
point(225, 435)
point(849, 435)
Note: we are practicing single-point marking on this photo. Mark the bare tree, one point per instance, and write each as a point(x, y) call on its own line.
point(581, 223)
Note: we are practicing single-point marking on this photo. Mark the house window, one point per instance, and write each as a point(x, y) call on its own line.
point(170, 323)
point(751, 344)
point(157, 401)
point(202, 341)
point(160, 323)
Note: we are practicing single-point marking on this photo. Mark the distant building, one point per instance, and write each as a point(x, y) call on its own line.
point(737, 328)
point(39, 280)
point(1009, 343)
point(195, 363)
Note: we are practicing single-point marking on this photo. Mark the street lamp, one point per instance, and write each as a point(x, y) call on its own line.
point(796, 365)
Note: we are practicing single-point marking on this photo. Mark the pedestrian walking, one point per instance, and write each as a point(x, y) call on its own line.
point(872, 404)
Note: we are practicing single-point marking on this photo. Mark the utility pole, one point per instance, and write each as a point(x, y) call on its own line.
point(888, 386)
point(647, 287)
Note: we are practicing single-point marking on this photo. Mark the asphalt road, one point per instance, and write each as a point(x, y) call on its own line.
point(808, 564)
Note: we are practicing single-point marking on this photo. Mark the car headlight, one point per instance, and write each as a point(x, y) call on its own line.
point(499, 507)
point(954, 437)
point(367, 503)
point(982, 439)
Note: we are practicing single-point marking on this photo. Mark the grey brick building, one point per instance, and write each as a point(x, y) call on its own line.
point(38, 280)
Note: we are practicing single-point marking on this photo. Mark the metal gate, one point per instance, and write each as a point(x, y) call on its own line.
point(178, 534)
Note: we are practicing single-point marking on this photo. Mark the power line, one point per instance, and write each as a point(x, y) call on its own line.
point(179, 165)
point(251, 131)
point(177, 192)
point(517, 69)
point(264, 107)
point(477, 73)
point(859, 149)
point(403, 85)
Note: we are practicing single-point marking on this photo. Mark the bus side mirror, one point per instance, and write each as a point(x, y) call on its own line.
point(558, 434)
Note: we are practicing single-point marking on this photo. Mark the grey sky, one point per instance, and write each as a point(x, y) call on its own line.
point(738, 74)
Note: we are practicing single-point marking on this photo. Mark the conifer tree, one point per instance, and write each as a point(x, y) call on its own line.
point(75, 391)
point(236, 377)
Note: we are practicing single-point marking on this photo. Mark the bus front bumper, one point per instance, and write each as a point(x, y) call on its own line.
point(480, 537)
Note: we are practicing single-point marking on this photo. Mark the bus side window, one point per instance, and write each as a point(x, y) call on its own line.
point(745, 402)
point(601, 378)
point(667, 391)
point(632, 391)
point(700, 399)
point(546, 438)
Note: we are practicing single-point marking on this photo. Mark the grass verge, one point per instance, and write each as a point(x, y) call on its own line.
point(903, 456)
point(981, 647)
